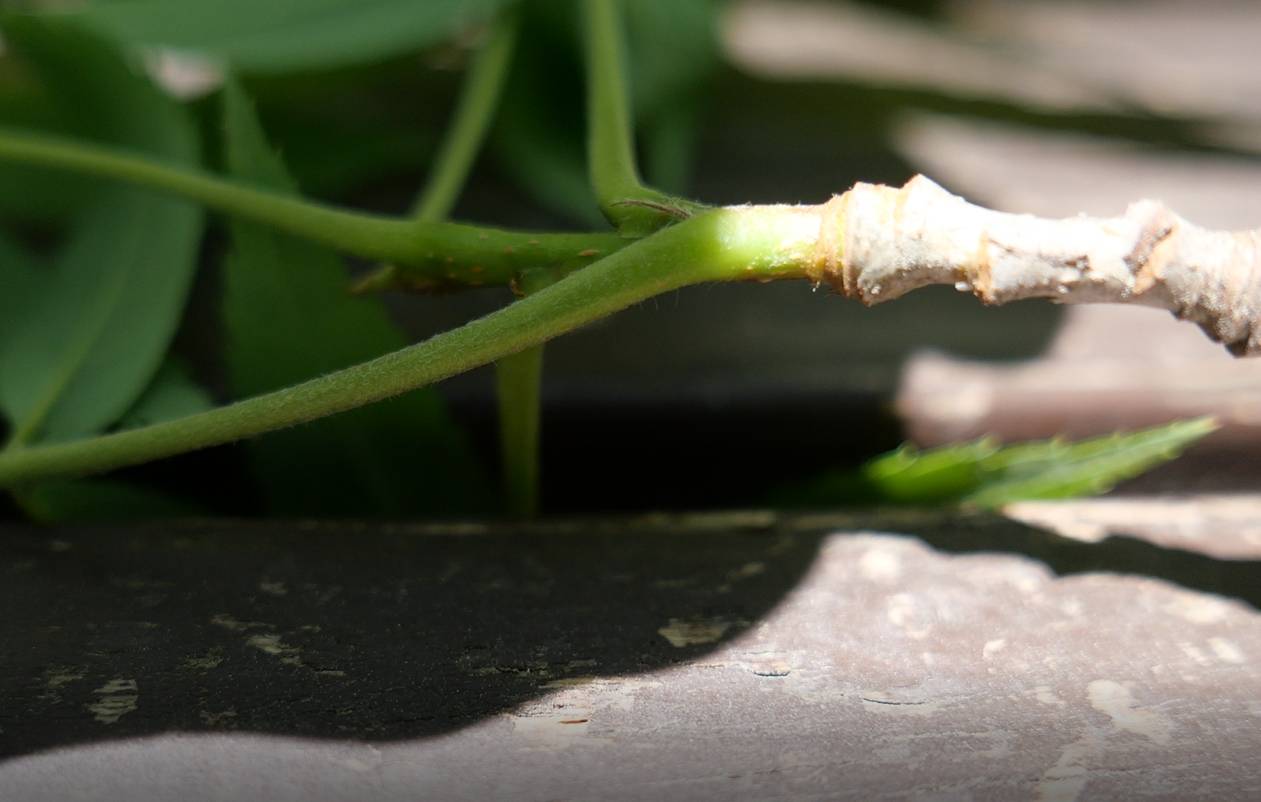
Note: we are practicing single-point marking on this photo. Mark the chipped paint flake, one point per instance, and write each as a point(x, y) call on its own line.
point(1117, 701)
point(118, 697)
point(1197, 609)
point(233, 625)
point(1195, 653)
point(746, 571)
point(1065, 781)
point(206, 662)
point(1046, 695)
point(1227, 651)
point(57, 676)
point(693, 632)
point(221, 718)
point(272, 644)
point(910, 615)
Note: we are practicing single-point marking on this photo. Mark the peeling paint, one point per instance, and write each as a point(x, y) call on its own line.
point(217, 719)
point(1117, 702)
point(692, 632)
point(233, 625)
point(206, 662)
point(1197, 609)
point(1045, 695)
point(909, 614)
point(1195, 653)
point(272, 644)
point(1065, 781)
point(57, 676)
point(746, 571)
point(1227, 651)
point(118, 698)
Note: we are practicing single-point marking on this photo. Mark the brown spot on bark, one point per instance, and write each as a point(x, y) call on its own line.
point(1143, 261)
point(982, 278)
point(825, 261)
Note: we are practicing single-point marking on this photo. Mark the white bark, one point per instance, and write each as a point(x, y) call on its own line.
point(894, 240)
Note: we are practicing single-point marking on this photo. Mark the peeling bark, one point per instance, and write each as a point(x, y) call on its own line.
point(879, 242)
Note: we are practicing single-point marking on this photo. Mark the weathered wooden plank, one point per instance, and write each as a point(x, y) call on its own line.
point(900, 656)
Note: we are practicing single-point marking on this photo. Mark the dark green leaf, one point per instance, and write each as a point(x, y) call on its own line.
point(539, 136)
point(171, 394)
point(22, 279)
point(87, 346)
point(983, 474)
point(26, 193)
point(1056, 469)
point(289, 317)
point(101, 500)
point(279, 35)
point(675, 56)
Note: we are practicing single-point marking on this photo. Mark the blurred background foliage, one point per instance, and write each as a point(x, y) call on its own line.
point(711, 397)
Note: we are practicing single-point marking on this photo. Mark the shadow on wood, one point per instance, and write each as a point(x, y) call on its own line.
point(374, 633)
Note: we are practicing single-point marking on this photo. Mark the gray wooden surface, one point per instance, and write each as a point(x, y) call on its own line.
point(747, 656)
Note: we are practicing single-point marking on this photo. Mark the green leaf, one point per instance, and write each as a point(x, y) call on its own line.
point(289, 317)
point(675, 56)
point(171, 394)
point(282, 35)
point(1056, 469)
point(26, 193)
point(984, 474)
point(101, 501)
point(22, 279)
point(538, 138)
point(82, 350)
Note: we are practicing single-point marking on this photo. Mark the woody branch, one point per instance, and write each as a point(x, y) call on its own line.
point(878, 242)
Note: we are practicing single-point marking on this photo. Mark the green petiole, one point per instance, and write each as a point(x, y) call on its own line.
point(752, 242)
point(425, 255)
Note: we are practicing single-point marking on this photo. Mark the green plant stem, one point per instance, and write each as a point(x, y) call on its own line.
point(426, 255)
point(519, 389)
point(761, 243)
point(518, 376)
point(624, 200)
point(518, 385)
point(479, 96)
